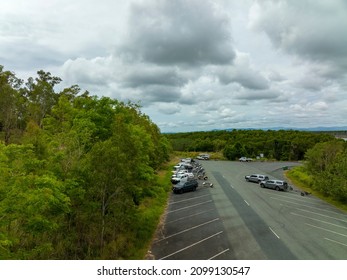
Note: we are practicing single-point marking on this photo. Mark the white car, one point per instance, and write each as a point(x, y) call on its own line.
point(179, 178)
point(203, 157)
point(244, 159)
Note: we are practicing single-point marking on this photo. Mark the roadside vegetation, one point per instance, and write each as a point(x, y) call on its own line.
point(79, 175)
point(324, 172)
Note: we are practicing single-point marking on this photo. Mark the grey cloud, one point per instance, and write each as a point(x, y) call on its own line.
point(149, 75)
point(255, 95)
point(198, 95)
point(311, 82)
point(314, 30)
point(31, 55)
point(275, 76)
point(169, 108)
point(159, 93)
point(178, 32)
point(245, 76)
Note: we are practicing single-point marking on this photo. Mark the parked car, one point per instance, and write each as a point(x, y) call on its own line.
point(245, 159)
point(185, 186)
point(180, 172)
point(178, 178)
point(256, 178)
point(203, 156)
point(187, 160)
point(277, 185)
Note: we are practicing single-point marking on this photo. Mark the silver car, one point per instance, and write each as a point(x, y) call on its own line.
point(256, 178)
point(277, 185)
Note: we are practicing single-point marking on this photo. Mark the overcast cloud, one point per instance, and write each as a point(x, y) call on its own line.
point(192, 65)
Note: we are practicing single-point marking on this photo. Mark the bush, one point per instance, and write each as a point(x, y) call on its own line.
point(300, 175)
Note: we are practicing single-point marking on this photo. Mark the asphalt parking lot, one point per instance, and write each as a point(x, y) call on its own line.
point(192, 224)
point(239, 220)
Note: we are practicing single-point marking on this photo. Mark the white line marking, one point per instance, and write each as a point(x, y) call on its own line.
point(340, 243)
point(274, 233)
point(318, 220)
point(327, 230)
point(189, 216)
point(185, 248)
point(215, 256)
point(190, 206)
point(326, 216)
point(188, 229)
point(320, 209)
point(184, 200)
point(246, 202)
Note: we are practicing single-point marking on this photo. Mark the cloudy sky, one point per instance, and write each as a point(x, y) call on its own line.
point(191, 64)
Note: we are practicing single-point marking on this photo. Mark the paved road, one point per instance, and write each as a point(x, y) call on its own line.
point(239, 220)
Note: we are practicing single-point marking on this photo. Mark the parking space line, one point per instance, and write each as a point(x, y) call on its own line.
point(246, 202)
point(326, 216)
point(184, 200)
point(327, 230)
point(318, 220)
point(187, 247)
point(188, 229)
point(190, 216)
point(337, 242)
point(274, 233)
point(297, 198)
point(318, 208)
point(190, 206)
point(220, 253)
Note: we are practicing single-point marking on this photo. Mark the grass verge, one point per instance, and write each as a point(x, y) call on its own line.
point(152, 211)
point(299, 177)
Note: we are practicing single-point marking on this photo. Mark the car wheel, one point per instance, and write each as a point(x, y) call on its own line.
point(194, 189)
point(181, 191)
point(277, 188)
point(262, 185)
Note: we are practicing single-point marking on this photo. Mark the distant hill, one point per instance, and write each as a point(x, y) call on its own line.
point(318, 128)
point(332, 129)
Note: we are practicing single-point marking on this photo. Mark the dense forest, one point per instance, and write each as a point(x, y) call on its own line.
point(278, 145)
point(77, 172)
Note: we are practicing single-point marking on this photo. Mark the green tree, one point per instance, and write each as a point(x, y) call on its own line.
point(10, 103)
point(235, 151)
point(41, 96)
point(32, 207)
point(326, 162)
point(322, 155)
point(79, 184)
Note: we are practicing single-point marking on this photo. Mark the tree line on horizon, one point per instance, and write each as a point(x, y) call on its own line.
point(78, 173)
point(278, 145)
